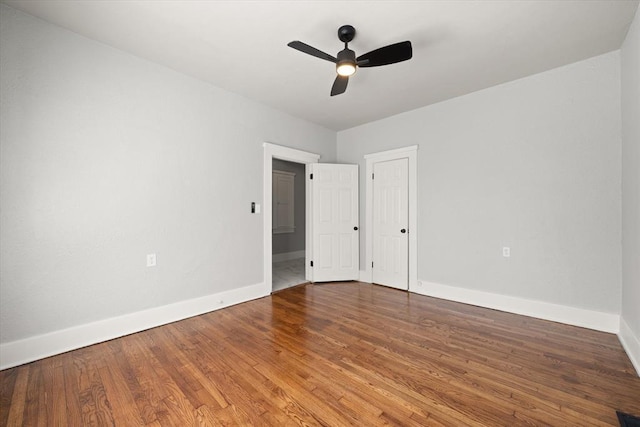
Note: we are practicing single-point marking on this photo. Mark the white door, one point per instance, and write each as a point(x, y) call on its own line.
point(391, 223)
point(334, 192)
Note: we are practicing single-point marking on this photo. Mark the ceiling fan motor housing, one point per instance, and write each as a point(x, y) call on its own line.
point(346, 55)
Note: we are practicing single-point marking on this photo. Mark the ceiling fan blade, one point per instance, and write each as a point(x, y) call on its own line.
point(386, 55)
point(310, 50)
point(339, 85)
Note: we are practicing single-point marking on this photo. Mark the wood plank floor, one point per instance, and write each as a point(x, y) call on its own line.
point(333, 355)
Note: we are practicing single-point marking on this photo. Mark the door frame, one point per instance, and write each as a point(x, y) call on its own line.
point(273, 151)
point(410, 153)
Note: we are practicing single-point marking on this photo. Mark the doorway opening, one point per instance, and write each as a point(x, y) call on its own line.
point(288, 229)
point(278, 152)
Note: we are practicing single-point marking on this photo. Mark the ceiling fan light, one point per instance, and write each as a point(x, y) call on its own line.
point(346, 68)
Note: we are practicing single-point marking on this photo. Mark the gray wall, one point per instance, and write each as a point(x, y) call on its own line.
point(631, 179)
point(106, 157)
point(533, 164)
point(291, 242)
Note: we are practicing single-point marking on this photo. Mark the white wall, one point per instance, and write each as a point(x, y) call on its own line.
point(533, 164)
point(630, 70)
point(106, 157)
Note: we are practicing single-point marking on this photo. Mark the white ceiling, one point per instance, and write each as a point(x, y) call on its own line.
point(458, 46)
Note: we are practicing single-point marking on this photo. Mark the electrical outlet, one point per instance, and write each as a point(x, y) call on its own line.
point(151, 260)
point(506, 252)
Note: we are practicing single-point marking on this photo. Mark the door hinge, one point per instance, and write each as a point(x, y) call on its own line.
point(372, 175)
point(311, 176)
point(311, 263)
point(371, 264)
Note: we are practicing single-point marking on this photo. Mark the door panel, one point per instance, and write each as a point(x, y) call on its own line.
point(334, 192)
point(390, 218)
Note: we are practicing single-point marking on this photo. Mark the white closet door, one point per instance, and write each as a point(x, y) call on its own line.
point(390, 223)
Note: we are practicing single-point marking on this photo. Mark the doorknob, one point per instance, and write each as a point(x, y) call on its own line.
point(403, 231)
point(355, 228)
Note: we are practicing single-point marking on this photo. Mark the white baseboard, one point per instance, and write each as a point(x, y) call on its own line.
point(631, 344)
point(287, 256)
point(33, 348)
point(606, 322)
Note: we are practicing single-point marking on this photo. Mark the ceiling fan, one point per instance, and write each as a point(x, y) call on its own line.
point(347, 62)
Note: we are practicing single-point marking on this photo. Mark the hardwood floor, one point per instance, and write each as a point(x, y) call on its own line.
point(333, 355)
